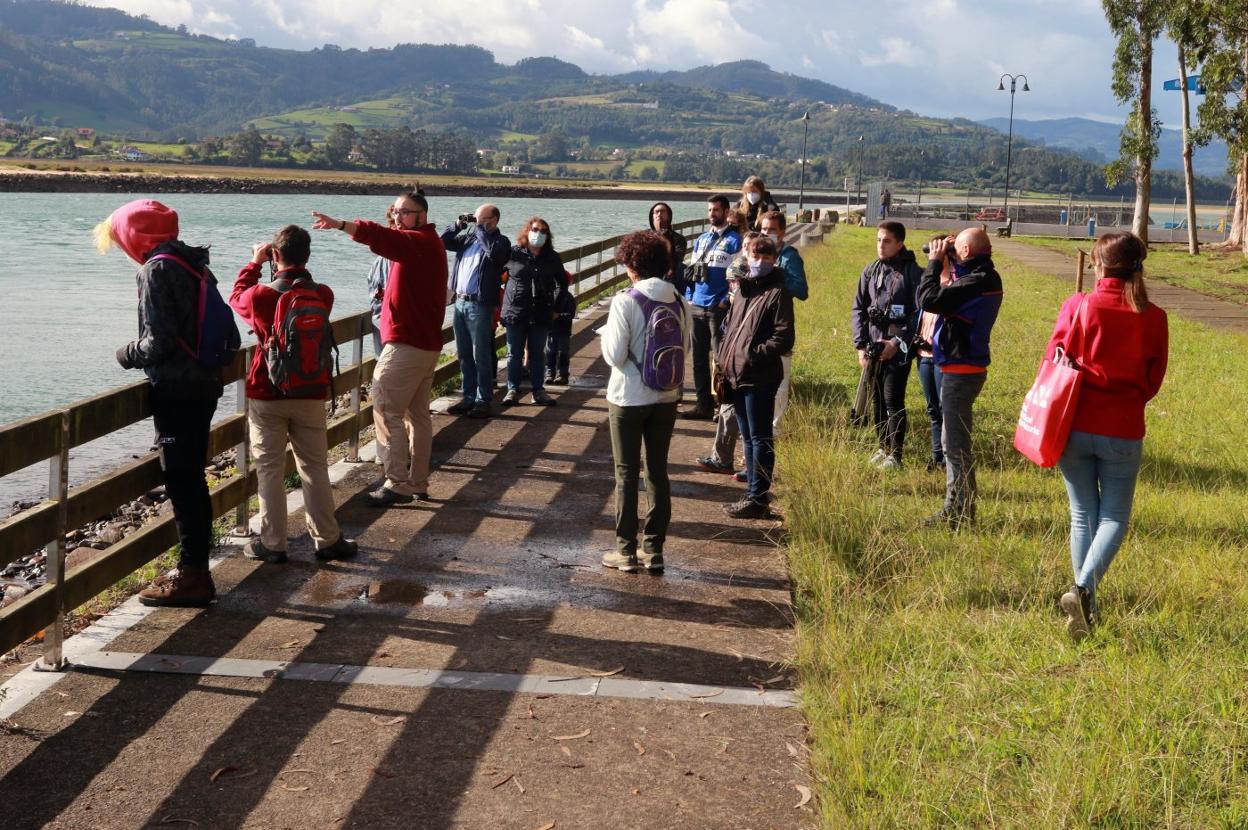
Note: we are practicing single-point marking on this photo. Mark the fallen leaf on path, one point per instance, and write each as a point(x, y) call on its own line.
point(510, 776)
point(337, 741)
point(637, 791)
point(670, 754)
point(704, 714)
point(805, 794)
point(529, 619)
point(737, 654)
point(230, 772)
point(71, 713)
point(641, 750)
point(391, 722)
point(531, 715)
point(571, 737)
point(776, 679)
point(295, 789)
point(606, 673)
point(172, 820)
point(565, 751)
point(291, 644)
point(383, 773)
point(550, 825)
point(703, 695)
point(792, 749)
point(542, 697)
point(519, 786)
point(293, 771)
point(501, 637)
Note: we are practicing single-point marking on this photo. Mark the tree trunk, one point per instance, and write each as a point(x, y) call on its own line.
point(1238, 238)
point(1144, 161)
point(1189, 183)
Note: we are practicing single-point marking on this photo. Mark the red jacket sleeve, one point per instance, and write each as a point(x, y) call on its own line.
point(245, 285)
point(394, 245)
point(1155, 372)
point(1062, 328)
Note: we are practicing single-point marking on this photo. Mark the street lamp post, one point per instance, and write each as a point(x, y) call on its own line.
point(858, 183)
point(1009, 146)
point(919, 202)
point(801, 190)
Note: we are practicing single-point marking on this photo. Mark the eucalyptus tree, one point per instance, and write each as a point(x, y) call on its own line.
point(1136, 24)
point(1189, 25)
point(1224, 112)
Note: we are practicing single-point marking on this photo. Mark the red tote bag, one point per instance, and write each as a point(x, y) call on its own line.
point(1049, 408)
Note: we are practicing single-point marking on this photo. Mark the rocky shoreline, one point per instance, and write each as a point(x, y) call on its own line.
point(101, 182)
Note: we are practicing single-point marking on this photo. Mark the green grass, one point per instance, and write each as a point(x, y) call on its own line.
point(939, 684)
point(318, 121)
point(1222, 274)
point(509, 136)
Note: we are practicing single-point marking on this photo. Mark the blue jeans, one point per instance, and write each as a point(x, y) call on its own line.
point(474, 342)
point(558, 351)
point(522, 335)
point(756, 409)
point(1100, 474)
point(929, 380)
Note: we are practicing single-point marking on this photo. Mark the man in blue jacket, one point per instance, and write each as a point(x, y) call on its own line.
point(963, 287)
point(707, 293)
point(481, 253)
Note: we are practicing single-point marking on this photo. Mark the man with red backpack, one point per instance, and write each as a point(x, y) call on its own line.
point(288, 383)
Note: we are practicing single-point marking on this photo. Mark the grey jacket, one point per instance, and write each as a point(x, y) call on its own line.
point(169, 312)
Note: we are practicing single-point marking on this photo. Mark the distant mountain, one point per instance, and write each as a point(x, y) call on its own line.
point(1098, 141)
point(756, 78)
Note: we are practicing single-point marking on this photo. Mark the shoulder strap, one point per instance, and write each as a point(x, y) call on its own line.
point(1080, 326)
point(180, 261)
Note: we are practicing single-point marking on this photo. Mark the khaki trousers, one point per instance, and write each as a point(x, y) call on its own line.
point(302, 423)
point(402, 383)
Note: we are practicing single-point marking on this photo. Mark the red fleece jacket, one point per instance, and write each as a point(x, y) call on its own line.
point(257, 304)
point(1123, 355)
point(415, 301)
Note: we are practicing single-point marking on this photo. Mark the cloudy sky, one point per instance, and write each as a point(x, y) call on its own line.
point(937, 57)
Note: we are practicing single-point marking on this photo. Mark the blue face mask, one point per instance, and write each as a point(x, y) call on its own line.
point(760, 269)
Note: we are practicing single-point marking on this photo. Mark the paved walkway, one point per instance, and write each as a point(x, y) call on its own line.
point(475, 667)
point(1212, 311)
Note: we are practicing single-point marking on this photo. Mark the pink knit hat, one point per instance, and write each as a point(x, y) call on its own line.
point(141, 225)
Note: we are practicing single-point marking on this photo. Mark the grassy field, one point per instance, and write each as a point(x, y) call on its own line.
point(1221, 274)
point(317, 122)
point(940, 686)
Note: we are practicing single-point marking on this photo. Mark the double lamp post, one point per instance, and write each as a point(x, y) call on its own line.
point(1009, 146)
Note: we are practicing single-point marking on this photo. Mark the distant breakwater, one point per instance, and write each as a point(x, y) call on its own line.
point(91, 182)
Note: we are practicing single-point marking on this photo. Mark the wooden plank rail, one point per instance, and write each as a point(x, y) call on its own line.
point(39, 438)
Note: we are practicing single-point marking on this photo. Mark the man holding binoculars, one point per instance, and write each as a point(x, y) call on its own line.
point(707, 293)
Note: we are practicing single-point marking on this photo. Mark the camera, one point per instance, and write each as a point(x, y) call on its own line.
point(697, 272)
point(467, 218)
point(881, 319)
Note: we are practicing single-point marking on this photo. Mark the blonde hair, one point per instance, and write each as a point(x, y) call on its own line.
point(103, 233)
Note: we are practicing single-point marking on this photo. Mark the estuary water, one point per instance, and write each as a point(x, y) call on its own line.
point(64, 309)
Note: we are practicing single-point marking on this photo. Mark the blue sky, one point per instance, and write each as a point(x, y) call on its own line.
point(936, 57)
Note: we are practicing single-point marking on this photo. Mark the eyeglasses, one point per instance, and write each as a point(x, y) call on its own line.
point(405, 212)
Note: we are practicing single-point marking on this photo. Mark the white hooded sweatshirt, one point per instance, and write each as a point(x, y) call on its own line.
point(624, 341)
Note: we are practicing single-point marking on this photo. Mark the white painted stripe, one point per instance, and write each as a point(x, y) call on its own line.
point(542, 684)
point(28, 684)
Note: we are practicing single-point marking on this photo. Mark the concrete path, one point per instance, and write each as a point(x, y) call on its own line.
point(474, 667)
point(1212, 311)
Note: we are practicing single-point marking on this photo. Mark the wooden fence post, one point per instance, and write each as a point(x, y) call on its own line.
point(53, 658)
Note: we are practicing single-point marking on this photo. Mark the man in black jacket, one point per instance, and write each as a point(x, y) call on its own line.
point(661, 223)
point(184, 393)
point(883, 321)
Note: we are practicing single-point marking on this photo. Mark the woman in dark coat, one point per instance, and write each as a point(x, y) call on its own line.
point(534, 278)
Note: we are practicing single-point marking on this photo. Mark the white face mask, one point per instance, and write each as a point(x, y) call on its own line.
point(774, 237)
point(537, 239)
point(753, 196)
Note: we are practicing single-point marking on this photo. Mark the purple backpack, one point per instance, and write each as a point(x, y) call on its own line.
point(662, 366)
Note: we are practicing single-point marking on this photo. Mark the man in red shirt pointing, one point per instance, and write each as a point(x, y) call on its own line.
point(411, 333)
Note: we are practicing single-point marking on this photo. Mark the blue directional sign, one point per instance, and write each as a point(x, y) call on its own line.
point(1193, 85)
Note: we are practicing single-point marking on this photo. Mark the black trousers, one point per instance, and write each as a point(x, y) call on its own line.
point(890, 407)
point(182, 438)
point(707, 323)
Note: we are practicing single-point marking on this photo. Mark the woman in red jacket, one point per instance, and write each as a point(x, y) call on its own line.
point(1121, 341)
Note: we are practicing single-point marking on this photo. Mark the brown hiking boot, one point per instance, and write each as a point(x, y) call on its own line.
point(184, 587)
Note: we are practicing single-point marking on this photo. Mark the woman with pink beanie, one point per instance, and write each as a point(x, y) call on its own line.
point(184, 390)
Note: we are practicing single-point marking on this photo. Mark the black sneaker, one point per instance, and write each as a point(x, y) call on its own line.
point(699, 413)
point(741, 476)
point(709, 464)
point(746, 509)
point(461, 408)
point(549, 377)
point(256, 551)
point(344, 548)
point(652, 562)
point(384, 497)
point(936, 464)
point(542, 398)
point(511, 398)
point(1076, 603)
point(480, 409)
point(561, 379)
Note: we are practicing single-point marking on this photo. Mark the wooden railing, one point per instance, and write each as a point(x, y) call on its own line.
point(50, 436)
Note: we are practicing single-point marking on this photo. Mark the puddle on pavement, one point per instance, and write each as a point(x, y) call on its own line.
point(588, 381)
point(404, 592)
